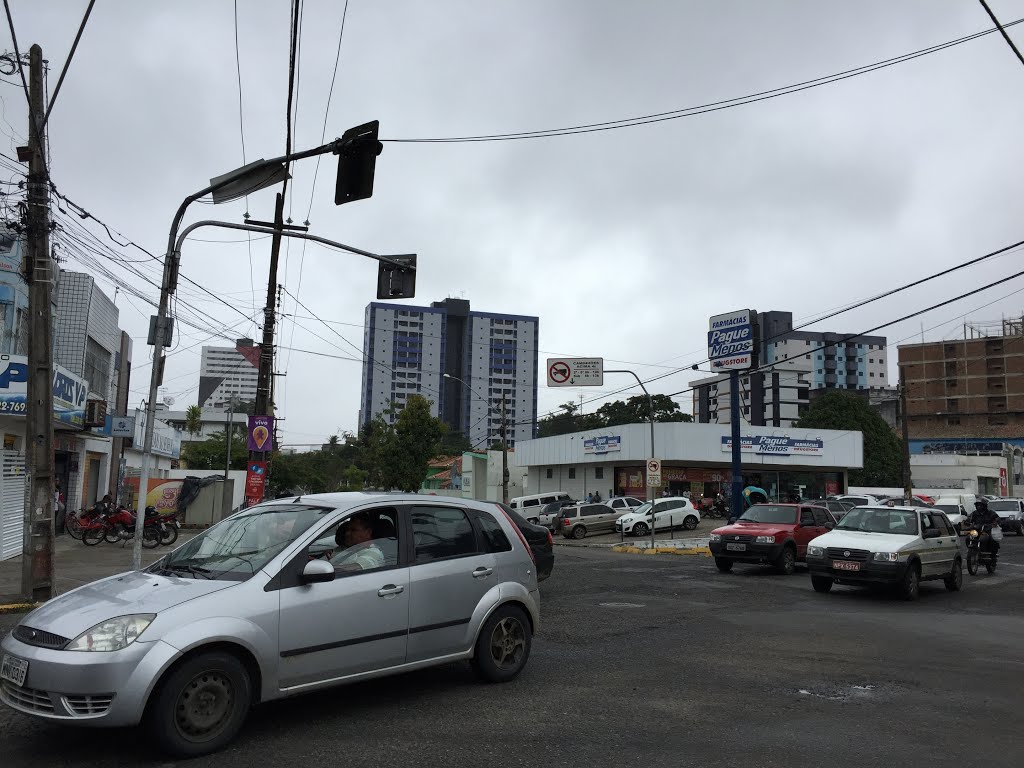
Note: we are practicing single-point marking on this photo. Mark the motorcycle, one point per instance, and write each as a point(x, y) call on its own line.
point(978, 549)
point(718, 509)
point(169, 526)
point(77, 522)
point(120, 526)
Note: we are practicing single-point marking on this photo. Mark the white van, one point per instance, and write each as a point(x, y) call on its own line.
point(957, 507)
point(529, 506)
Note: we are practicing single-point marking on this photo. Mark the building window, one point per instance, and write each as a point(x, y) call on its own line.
point(572, 472)
point(598, 472)
point(872, 375)
point(548, 473)
point(819, 371)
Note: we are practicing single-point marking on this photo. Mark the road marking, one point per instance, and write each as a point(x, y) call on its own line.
point(622, 605)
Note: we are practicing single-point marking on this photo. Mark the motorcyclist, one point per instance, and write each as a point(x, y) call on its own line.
point(984, 518)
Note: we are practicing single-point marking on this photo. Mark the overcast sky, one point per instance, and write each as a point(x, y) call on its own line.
point(623, 242)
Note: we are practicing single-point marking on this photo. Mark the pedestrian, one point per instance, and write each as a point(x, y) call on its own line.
point(590, 498)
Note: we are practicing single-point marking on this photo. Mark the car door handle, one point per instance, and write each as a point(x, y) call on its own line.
point(482, 572)
point(390, 589)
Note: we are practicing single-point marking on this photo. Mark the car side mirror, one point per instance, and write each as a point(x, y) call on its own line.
point(932, 533)
point(317, 571)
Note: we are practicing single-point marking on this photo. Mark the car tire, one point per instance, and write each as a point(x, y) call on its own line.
point(910, 585)
point(200, 706)
point(972, 562)
point(786, 562)
point(723, 564)
point(1020, 528)
point(822, 584)
point(579, 531)
point(503, 646)
point(955, 581)
point(690, 522)
point(640, 529)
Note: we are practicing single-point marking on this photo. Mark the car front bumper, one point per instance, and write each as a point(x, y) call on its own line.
point(871, 571)
point(86, 687)
point(754, 552)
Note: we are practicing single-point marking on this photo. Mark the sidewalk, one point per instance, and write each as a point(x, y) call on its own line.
point(77, 564)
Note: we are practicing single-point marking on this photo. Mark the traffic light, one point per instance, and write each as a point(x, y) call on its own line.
point(357, 160)
point(394, 282)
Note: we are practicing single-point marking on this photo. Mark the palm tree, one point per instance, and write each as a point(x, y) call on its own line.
point(194, 420)
point(332, 443)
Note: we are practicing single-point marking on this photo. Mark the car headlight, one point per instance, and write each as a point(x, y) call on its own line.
point(715, 537)
point(887, 557)
point(113, 634)
point(765, 540)
point(813, 551)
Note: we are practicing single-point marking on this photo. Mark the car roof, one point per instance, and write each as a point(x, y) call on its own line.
point(351, 499)
point(896, 508)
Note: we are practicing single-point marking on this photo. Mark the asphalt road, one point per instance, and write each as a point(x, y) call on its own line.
point(662, 661)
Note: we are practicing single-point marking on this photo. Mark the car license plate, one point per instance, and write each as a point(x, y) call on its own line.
point(14, 670)
point(845, 565)
point(736, 547)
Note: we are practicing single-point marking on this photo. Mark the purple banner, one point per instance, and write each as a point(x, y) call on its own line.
point(261, 428)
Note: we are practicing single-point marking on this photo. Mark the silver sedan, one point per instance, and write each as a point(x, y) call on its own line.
point(283, 598)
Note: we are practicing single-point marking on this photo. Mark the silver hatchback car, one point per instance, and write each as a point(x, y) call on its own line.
point(286, 597)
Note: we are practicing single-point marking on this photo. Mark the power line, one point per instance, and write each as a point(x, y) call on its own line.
point(1002, 30)
point(241, 133)
point(21, 68)
point(700, 109)
point(67, 64)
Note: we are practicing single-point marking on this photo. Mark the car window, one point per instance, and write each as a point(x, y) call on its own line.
point(531, 503)
point(494, 536)
point(807, 517)
point(665, 506)
point(942, 524)
point(928, 524)
point(592, 510)
point(821, 517)
point(364, 541)
point(441, 532)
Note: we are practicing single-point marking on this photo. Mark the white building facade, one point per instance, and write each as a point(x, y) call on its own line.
point(228, 374)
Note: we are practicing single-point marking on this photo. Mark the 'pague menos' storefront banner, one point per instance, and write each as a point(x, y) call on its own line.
point(69, 391)
point(777, 445)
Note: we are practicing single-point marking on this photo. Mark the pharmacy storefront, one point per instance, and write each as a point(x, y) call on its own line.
point(696, 460)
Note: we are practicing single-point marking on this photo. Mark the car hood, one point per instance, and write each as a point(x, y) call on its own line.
point(754, 529)
point(873, 542)
point(72, 613)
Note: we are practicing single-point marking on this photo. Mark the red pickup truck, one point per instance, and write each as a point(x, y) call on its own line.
point(770, 533)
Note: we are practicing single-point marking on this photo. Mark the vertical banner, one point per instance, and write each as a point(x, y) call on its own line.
point(1004, 487)
point(255, 476)
point(260, 430)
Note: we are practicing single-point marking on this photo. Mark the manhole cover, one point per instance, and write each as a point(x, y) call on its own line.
point(621, 605)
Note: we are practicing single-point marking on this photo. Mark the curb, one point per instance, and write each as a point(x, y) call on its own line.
point(702, 551)
point(16, 608)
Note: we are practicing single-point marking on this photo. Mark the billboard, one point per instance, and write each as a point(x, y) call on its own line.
point(69, 391)
point(731, 341)
point(260, 430)
point(777, 445)
point(602, 444)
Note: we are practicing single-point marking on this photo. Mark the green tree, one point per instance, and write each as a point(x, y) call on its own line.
point(636, 410)
point(398, 455)
point(883, 450)
point(568, 421)
point(212, 452)
point(454, 443)
point(193, 420)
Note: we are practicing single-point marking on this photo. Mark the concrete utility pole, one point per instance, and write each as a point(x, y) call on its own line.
point(908, 484)
point(37, 552)
point(504, 452)
point(263, 400)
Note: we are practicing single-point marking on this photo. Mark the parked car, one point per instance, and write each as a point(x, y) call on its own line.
point(893, 546)
point(624, 503)
point(577, 521)
point(770, 533)
point(837, 508)
point(248, 611)
point(1011, 514)
point(529, 506)
point(957, 507)
point(672, 511)
point(859, 500)
point(539, 539)
point(548, 515)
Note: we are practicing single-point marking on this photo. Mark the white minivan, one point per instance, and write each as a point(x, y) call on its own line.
point(529, 506)
point(958, 507)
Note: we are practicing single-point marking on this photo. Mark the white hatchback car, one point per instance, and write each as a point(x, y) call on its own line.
point(669, 512)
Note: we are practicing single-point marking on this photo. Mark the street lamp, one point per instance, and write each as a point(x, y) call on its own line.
point(504, 435)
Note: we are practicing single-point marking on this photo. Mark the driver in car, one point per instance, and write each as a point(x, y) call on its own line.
point(359, 552)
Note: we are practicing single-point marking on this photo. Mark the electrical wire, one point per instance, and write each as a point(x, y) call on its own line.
point(241, 133)
point(700, 109)
point(67, 64)
point(1002, 30)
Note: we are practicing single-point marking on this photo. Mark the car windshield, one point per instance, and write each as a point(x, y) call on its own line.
point(236, 548)
point(643, 509)
point(949, 509)
point(768, 513)
point(876, 520)
point(1003, 506)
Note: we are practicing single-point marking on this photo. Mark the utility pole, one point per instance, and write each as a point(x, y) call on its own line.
point(228, 496)
point(504, 452)
point(908, 484)
point(37, 551)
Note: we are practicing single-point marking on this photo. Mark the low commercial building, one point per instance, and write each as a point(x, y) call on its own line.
point(696, 459)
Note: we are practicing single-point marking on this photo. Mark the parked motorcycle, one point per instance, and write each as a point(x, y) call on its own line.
point(121, 527)
point(979, 547)
point(169, 527)
point(77, 522)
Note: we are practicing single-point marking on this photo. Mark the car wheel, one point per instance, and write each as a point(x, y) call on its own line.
point(723, 564)
point(690, 522)
point(503, 645)
point(910, 587)
point(579, 532)
point(640, 529)
point(972, 562)
point(822, 584)
point(955, 581)
point(786, 563)
point(201, 705)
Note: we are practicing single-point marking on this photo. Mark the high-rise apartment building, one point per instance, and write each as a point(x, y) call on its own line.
point(87, 340)
point(409, 349)
point(791, 364)
point(229, 374)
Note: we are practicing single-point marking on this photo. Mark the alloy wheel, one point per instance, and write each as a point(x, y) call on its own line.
point(508, 643)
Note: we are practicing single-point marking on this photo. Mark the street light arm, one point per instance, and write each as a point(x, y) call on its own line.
point(456, 378)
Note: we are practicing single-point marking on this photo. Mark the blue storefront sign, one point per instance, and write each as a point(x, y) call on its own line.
point(777, 446)
point(602, 444)
point(69, 391)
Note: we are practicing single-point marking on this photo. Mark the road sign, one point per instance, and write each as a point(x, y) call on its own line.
point(654, 472)
point(731, 342)
point(122, 426)
point(575, 371)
